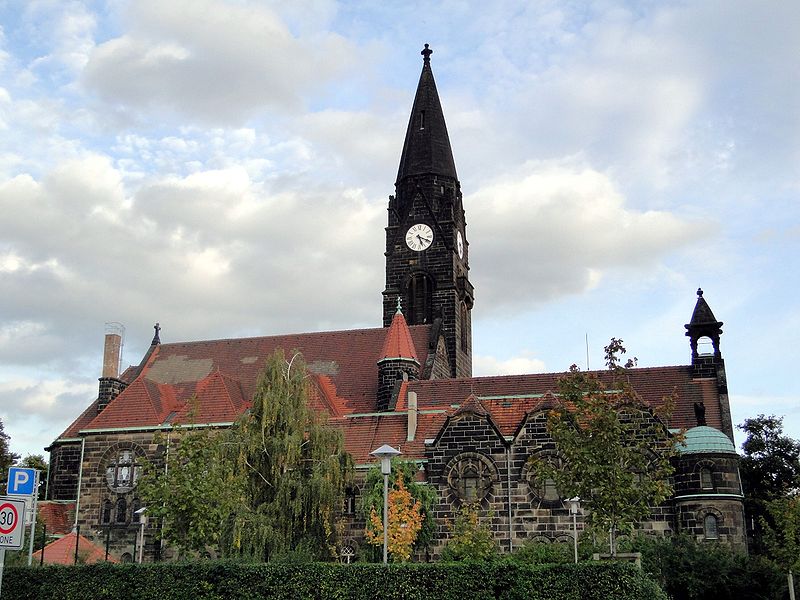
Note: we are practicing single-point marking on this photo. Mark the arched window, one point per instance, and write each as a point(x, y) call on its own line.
point(470, 482)
point(470, 476)
point(122, 471)
point(122, 511)
point(135, 505)
point(464, 327)
point(105, 513)
point(706, 479)
point(420, 300)
point(350, 501)
point(543, 488)
point(705, 346)
point(710, 527)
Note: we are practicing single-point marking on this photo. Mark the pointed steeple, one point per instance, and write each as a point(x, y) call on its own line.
point(427, 146)
point(398, 343)
point(398, 361)
point(703, 324)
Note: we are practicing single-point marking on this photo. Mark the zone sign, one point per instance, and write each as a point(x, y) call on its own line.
point(12, 523)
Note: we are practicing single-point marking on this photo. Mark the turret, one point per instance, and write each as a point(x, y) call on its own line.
point(398, 361)
point(704, 331)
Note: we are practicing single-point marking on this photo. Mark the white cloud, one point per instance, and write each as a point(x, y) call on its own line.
point(553, 228)
point(516, 365)
point(78, 251)
point(34, 412)
point(211, 60)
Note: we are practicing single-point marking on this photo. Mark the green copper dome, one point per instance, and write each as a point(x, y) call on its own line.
point(706, 439)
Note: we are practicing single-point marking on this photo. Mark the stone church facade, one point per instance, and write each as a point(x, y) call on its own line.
point(408, 384)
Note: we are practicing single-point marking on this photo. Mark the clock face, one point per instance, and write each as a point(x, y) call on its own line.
point(460, 245)
point(419, 237)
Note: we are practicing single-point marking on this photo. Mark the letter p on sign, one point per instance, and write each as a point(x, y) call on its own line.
point(21, 481)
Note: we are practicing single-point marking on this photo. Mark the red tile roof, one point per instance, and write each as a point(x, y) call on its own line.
point(57, 517)
point(398, 342)
point(212, 382)
point(221, 375)
point(62, 551)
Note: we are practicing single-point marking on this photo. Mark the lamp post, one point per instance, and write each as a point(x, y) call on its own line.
point(143, 523)
point(574, 505)
point(386, 453)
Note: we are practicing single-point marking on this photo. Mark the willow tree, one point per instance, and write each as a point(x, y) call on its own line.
point(612, 450)
point(294, 468)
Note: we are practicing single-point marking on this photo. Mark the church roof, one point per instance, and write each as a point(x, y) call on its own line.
point(427, 146)
point(399, 343)
point(508, 399)
point(213, 381)
point(58, 517)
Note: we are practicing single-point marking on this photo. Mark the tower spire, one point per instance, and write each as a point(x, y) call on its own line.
point(426, 149)
point(703, 324)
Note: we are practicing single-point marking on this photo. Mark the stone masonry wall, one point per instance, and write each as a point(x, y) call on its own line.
point(65, 460)
point(101, 451)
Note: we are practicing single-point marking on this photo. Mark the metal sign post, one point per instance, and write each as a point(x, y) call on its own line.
point(25, 482)
point(35, 502)
point(12, 528)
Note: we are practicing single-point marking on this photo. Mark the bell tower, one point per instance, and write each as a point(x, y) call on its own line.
point(427, 254)
point(704, 331)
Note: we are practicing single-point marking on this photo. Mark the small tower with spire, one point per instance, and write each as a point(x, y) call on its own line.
point(427, 254)
point(704, 324)
point(398, 361)
point(709, 365)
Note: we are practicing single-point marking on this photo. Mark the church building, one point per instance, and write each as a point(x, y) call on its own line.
point(407, 383)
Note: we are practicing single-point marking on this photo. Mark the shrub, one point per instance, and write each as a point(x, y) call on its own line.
point(217, 580)
point(691, 570)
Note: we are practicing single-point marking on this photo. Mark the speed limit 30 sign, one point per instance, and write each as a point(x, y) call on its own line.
point(12, 523)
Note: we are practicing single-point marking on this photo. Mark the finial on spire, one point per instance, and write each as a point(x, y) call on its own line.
point(399, 306)
point(426, 54)
point(699, 292)
point(156, 339)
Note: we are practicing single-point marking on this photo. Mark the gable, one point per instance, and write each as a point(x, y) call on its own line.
point(221, 377)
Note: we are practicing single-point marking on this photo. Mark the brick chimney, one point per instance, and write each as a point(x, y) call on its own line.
point(413, 410)
point(110, 383)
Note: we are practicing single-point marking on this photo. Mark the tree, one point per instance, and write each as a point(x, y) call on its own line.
point(267, 487)
point(293, 466)
point(37, 461)
point(7, 458)
point(690, 570)
point(770, 463)
point(469, 538)
point(195, 491)
point(422, 494)
point(781, 535)
point(405, 520)
point(614, 453)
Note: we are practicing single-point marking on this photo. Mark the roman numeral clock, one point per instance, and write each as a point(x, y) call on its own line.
point(419, 237)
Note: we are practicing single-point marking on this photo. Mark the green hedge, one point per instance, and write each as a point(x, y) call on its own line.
point(226, 580)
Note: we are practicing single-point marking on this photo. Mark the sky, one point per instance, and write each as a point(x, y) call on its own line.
point(223, 167)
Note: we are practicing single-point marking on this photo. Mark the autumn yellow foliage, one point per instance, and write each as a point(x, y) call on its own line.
point(405, 521)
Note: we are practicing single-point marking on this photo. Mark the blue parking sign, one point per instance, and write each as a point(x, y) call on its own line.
point(21, 481)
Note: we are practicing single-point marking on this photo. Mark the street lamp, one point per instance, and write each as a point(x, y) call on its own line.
point(143, 523)
point(574, 505)
point(386, 453)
